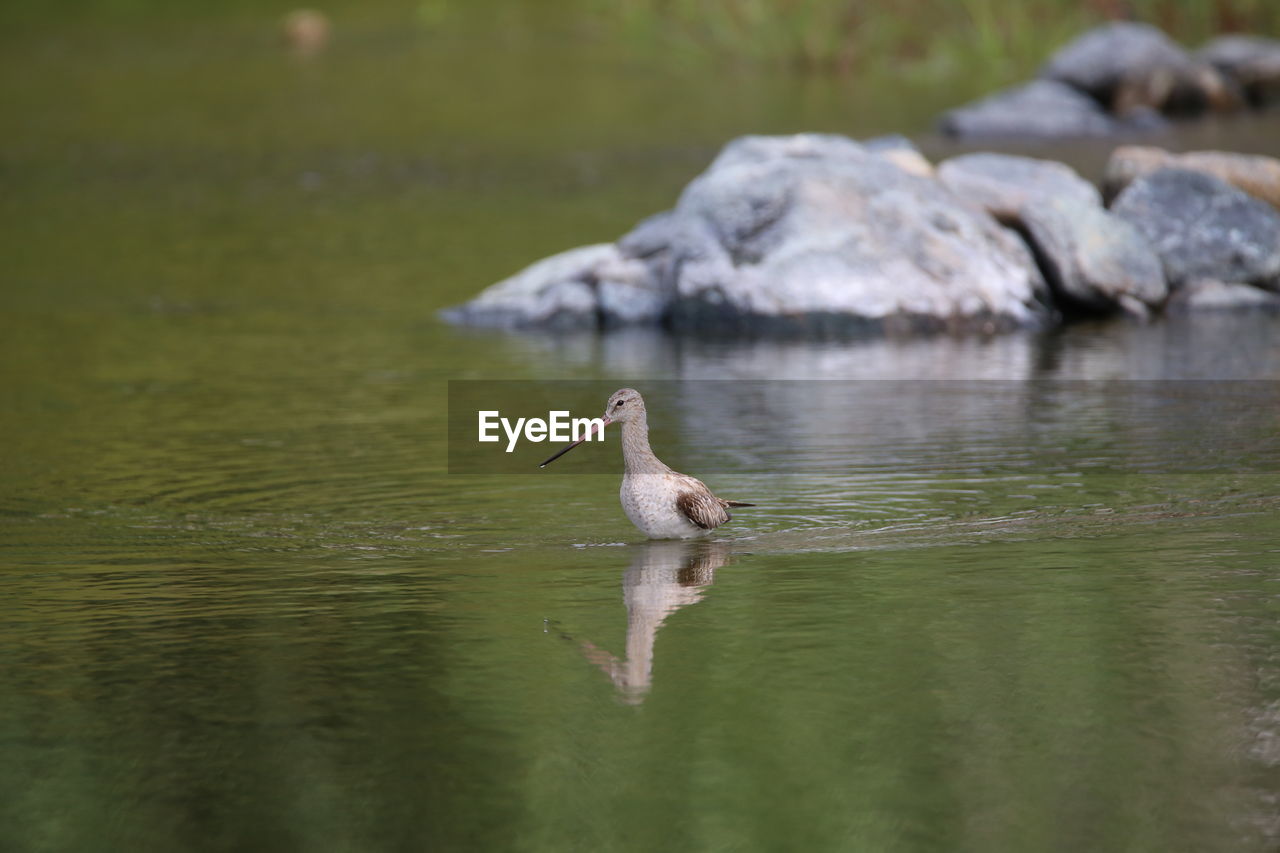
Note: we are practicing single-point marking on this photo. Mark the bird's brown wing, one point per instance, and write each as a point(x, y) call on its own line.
point(702, 508)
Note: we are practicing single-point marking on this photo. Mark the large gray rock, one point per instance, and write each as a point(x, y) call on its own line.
point(810, 234)
point(1257, 175)
point(1097, 61)
point(1040, 109)
point(1202, 227)
point(1093, 259)
point(1252, 61)
point(775, 238)
point(1003, 184)
point(1130, 66)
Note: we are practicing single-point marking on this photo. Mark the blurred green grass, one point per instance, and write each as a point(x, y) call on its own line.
point(997, 39)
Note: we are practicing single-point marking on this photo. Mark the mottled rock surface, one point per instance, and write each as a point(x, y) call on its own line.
point(1003, 184)
point(1257, 175)
point(795, 241)
point(1091, 258)
point(1204, 228)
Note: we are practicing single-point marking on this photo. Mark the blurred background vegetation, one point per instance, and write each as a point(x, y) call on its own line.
point(998, 39)
point(844, 36)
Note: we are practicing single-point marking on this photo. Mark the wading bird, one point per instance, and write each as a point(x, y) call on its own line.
point(664, 504)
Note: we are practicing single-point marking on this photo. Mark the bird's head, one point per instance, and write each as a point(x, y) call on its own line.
point(624, 405)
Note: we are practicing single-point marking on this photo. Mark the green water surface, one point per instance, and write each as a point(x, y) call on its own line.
point(244, 606)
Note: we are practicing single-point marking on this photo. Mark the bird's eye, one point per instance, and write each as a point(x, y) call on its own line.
point(618, 405)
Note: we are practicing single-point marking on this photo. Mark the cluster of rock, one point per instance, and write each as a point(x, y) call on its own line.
point(1126, 76)
point(821, 235)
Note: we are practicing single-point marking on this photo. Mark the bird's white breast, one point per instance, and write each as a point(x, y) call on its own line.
point(649, 500)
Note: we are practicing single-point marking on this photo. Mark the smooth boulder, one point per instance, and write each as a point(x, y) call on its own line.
point(1044, 109)
point(1130, 66)
point(1257, 175)
point(1003, 184)
point(1209, 295)
point(1253, 62)
point(1098, 60)
point(1204, 228)
point(1093, 259)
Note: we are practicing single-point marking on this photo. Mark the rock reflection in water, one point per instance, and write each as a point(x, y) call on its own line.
point(1218, 346)
point(663, 577)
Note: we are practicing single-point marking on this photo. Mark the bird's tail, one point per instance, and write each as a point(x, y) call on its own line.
point(737, 503)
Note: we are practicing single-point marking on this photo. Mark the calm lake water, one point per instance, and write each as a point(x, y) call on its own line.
point(1001, 594)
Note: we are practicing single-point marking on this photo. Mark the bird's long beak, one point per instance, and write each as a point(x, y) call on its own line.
point(562, 451)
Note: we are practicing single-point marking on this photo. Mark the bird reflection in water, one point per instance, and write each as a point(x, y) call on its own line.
point(663, 577)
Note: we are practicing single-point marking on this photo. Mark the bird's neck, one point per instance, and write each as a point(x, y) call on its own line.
point(637, 457)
